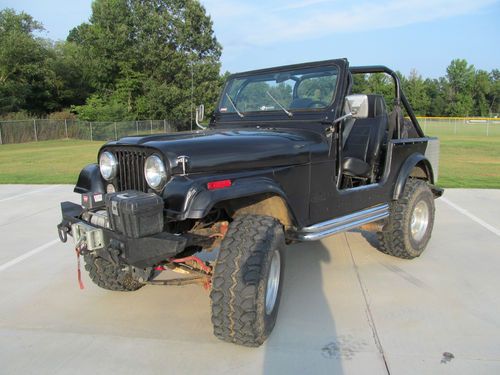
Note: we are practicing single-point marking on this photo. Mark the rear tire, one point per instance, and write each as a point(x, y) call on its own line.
point(110, 276)
point(409, 226)
point(248, 279)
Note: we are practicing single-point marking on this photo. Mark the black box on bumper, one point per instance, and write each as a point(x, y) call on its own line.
point(140, 252)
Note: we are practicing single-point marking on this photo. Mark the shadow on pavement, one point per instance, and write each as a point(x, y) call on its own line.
point(304, 339)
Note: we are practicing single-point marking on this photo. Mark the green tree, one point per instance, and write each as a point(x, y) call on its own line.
point(99, 109)
point(36, 76)
point(25, 80)
point(359, 84)
point(374, 83)
point(494, 95)
point(436, 91)
point(460, 76)
point(146, 56)
point(415, 90)
point(380, 83)
point(71, 85)
point(482, 88)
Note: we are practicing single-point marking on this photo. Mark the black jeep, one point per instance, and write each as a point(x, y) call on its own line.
point(290, 154)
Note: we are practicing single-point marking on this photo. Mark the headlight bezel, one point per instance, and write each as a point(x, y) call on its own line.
point(162, 172)
point(113, 165)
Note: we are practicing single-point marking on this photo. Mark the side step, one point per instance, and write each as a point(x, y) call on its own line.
point(341, 224)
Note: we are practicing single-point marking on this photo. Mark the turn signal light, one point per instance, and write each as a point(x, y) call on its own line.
point(219, 184)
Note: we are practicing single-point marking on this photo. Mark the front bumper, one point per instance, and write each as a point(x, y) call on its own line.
point(138, 252)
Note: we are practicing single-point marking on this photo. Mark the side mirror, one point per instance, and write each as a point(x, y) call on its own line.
point(200, 112)
point(200, 115)
point(358, 105)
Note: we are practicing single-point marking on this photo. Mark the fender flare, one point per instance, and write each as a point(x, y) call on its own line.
point(410, 163)
point(204, 200)
point(90, 180)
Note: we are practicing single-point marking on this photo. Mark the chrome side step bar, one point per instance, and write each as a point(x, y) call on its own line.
point(341, 224)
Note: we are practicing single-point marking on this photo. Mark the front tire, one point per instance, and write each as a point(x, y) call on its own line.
point(409, 226)
point(110, 276)
point(248, 279)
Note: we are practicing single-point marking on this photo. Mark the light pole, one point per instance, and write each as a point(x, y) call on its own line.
point(192, 93)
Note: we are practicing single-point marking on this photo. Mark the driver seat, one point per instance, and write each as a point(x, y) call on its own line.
point(362, 146)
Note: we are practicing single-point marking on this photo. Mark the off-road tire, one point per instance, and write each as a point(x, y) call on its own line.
point(239, 283)
point(396, 237)
point(110, 276)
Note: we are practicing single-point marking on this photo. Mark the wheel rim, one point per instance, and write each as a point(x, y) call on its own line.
point(273, 282)
point(419, 220)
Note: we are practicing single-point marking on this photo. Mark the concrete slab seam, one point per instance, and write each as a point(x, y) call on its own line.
point(371, 320)
point(30, 253)
point(463, 211)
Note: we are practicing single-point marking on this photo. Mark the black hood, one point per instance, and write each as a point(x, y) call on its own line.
point(235, 149)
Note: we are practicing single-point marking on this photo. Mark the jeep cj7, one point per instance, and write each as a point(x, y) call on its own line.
point(291, 154)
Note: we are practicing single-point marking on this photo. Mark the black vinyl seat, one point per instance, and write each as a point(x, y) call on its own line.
point(363, 143)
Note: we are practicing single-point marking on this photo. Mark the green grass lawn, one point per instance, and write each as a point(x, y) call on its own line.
point(469, 161)
point(47, 162)
point(466, 161)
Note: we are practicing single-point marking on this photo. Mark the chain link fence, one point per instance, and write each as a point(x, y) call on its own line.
point(22, 131)
point(471, 126)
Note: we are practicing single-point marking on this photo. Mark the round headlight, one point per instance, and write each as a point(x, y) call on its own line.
point(108, 165)
point(155, 172)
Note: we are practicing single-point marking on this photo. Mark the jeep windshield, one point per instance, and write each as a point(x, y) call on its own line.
point(291, 90)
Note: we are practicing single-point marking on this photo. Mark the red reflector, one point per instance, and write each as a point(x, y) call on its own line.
point(218, 184)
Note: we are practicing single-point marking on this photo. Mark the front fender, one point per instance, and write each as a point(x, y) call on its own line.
point(198, 200)
point(90, 180)
point(411, 162)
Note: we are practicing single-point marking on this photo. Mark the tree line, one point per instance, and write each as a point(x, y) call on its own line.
point(139, 59)
point(464, 91)
point(132, 60)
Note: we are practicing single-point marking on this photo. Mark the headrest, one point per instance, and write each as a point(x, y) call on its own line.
point(376, 105)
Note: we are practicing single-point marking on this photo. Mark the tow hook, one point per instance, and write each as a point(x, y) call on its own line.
point(62, 231)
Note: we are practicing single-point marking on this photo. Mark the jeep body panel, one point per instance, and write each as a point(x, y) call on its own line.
point(310, 201)
point(236, 149)
point(90, 180)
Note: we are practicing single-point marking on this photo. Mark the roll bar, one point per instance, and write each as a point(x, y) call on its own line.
point(399, 94)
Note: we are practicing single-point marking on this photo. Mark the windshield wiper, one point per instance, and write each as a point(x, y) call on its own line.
point(234, 106)
point(290, 114)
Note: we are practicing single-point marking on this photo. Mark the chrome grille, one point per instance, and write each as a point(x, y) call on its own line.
point(131, 170)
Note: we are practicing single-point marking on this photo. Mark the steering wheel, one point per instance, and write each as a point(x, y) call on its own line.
point(317, 104)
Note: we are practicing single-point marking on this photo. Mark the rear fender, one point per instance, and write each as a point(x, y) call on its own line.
point(417, 166)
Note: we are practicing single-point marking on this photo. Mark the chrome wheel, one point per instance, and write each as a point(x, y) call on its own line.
point(419, 220)
point(273, 282)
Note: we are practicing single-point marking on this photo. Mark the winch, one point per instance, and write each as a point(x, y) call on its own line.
point(97, 218)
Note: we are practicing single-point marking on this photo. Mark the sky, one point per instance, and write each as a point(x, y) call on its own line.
point(424, 35)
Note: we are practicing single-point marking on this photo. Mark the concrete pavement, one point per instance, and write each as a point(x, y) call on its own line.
point(346, 308)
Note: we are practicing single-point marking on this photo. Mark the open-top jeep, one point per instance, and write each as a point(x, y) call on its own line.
point(290, 154)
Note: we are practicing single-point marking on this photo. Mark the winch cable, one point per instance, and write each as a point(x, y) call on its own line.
point(80, 246)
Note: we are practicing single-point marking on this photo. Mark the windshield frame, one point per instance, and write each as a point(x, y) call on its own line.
point(278, 113)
